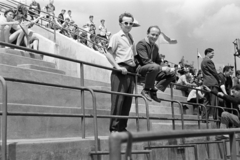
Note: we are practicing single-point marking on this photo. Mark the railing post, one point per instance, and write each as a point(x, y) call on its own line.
point(173, 115)
point(199, 126)
point(136, 102)
point(4, 118)
point(233, 151)
point(82, 100)
point(114, 147)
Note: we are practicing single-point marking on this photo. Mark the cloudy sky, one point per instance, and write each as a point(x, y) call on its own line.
point(196, 24)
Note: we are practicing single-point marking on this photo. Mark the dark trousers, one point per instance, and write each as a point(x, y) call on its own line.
point(210, 99)
point(152, 73)
point(121, 105)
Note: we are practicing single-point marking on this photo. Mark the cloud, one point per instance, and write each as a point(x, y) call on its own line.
point(222, 25)
point(191, 11)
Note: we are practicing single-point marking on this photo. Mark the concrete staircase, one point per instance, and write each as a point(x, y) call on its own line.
point(50, 138)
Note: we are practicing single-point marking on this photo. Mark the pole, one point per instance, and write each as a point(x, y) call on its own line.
point(197, 61)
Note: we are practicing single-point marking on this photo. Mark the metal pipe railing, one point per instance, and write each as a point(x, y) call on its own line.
point(116, 139)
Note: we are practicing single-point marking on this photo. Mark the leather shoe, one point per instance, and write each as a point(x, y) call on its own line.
point(154, 97)
point(146, 94)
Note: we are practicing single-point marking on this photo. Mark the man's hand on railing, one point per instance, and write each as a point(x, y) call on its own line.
point(220, 94)
point(206, 88)
point(123, 69)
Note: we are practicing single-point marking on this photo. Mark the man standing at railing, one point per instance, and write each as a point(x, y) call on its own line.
point(150, 65)
point(212, 80)
point(120, 53)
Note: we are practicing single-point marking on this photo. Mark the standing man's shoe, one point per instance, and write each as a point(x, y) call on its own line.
point(146, 94)
point(154, 97)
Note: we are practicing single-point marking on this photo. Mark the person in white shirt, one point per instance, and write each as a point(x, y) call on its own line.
point(103, 29)
point(192, 97)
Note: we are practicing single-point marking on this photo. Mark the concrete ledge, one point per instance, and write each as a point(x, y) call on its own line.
point(40, 68)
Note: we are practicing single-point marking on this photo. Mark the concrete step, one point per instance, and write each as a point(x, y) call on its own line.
point(45, 77)
point(40, 68)
point(20, 53)
point(14, 60)
point(30, 127)
point(76, 148)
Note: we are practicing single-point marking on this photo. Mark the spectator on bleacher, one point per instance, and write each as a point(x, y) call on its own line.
point(121, 52)
point(223, 78)
point(165, 63)
point(229, 120)
point(102, 29)
point(91, 41)
point(236, 80)
point(229, 80)
point(7, 22)
point(22, 11)
point(69, 15)
point(185, 81)
point(92, 29)
point(210, 79)
point(61, 16)
point(89, 23)
point(192, 97)
point(49, 8)
point(34, 9)
point(150, 65)
point(65, 28)
point(199, 78)
point(83, 38)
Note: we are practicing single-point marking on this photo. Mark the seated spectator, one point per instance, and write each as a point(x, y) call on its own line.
point(92, 29)
point(34, 9)
point(50, 8)
point(69, 15)
point(61, 16)
point(91, 42)
point(236, 80)
point(184, 81)
point(89, 23)
point(7, 23)
point(165, 63)
point(98, 45)
point(199, 78)
point(65, 28)
point(103, 29)
point(29, 40)
point(228, 120)
point(149, 65)
point(192, 97)
point(83, 38)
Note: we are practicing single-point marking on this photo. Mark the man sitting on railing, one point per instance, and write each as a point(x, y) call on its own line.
point(121, 52)
point(150, 65)
point(229, 120)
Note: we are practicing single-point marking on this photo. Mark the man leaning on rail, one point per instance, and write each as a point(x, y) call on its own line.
point(150, 65)
point(229, 120)
point(120, 53)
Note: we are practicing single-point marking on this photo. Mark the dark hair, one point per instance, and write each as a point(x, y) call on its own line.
point(7, 11)
point(227, 68)
point(175, 65)
point(165, 61)
point(149, 29)
point(69, 11)
point(209, 50)
point(237, 72)
point(125, 15)
point(102, 20)
point(91, 16)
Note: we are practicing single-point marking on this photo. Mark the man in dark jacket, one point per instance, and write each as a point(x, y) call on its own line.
point(150, 65)
point(61, 16)
point(229, 119)
point(212, 80)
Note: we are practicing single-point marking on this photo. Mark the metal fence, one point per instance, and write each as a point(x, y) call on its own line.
point(82, 89)
point(116, 139)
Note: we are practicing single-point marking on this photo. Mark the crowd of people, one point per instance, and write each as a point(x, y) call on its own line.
point(15, 21)
point(127, 56)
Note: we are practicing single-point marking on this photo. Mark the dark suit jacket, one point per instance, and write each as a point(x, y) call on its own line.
point(210, 75)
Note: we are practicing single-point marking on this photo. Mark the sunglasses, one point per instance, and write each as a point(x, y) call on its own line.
point(127, 23)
